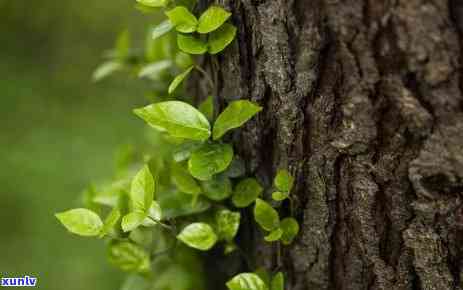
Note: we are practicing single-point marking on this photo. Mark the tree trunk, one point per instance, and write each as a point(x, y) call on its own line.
point(363, 103)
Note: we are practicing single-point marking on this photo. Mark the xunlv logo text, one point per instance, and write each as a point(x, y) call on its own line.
point(25, 281)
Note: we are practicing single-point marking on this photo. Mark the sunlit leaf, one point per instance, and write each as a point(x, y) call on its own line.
point(200, 236)
point(212, 19)
point(279, 196)
point(284, 181)
point(132, 220)
point(228, 223)
point(235, 115)
point(290, 229)
point(179, 79)
point(154, 3)
point(183, 20)
point(110, 221)
point(274, 235)
point(179, 119)
point(246, 281)
point(191, 44)
point(142, 190)
point(266, 216)
point(210, 159)
point(129, 257)
point(81, 221)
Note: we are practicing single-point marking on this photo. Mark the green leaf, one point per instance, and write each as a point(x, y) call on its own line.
point(210, 159)
point(212, 19)
point(191, 44)
point(81, 221)
point(110, 221)
point(154, 70)
point(207, 108)
point(246, 281)
point(183, 151)
point(183, 20)
point(229, 248)
point(200, 236)
point(221, 38)
point(123, 45)
point(154, 3)
point(177, 204)
point(142, 190)
point(161, 29)
point(290, 229)
point(106, 69)
point(218, 188)
point(155, 211)
point(234, 116)
point(246, 192)
point(179, 79)
point(129, 257)
point(228, 223)
point(264, 275)
point(179, 119)
point(266, 216)
point(284, 181)
point(278, 282)
point(236, 168)
point(132, 220)
point(279, 196)
point(183, 180)
point(183, 60)
point(274, 235)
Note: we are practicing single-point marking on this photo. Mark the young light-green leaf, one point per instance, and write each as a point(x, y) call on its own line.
point(278, 282)
point(266, 216)
point(179, 79)
point(179, 119)
point(217, 188)
point(142, 190)
point(200, 236)
point(110, 221)
point(284, 181)
point(106, 69)
point(246, 192)
point(221, 38)
point(132, 220)
point(246, 281)
point(123, 45)
point(183, 180)
point(279, 196)
point(81, 221)
point(154, 3)
point(207, 108)
point(190, 44)
point(129, 257)
point(235, 115)
point(155, 211)
point(210, 159)
point(274, 235)
point(290, 229)
point(228, 223)
point(161, 29)
point(183, 20)
point(153, 70)
point(212, 19)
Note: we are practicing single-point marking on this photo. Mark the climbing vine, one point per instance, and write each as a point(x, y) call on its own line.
point(187, 191)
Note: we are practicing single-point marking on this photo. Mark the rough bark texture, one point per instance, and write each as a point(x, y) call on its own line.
point(363, 103)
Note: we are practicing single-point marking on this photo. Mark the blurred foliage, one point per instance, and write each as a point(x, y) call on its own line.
point(58, 131)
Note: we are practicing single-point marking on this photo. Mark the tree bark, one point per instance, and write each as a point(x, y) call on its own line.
point(363, 103)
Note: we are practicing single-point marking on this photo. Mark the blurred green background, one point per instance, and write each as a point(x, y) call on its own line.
point(58, 132)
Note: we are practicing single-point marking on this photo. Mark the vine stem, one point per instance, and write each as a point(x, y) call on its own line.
point(207, 76)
